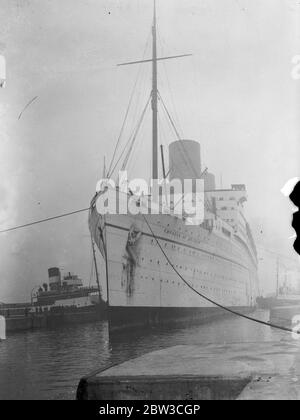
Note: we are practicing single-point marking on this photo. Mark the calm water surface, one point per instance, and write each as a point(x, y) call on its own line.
point(47, 364)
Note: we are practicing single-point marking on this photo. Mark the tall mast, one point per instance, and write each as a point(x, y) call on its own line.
point(154, 100)
point(154, 93)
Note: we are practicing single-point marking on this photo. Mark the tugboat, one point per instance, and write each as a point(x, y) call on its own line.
point(64, 299)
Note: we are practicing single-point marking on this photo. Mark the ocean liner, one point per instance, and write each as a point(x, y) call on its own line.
point(159, 268)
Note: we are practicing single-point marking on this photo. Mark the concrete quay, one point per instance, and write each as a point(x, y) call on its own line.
point(242, 371)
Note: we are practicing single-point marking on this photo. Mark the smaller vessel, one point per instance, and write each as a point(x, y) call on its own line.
point(64, 298)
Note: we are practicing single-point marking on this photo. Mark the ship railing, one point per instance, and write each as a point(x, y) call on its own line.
point(67, 290)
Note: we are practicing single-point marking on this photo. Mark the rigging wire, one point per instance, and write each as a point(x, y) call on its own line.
point(184, 154)
point(175, 111)
point(36, 222)
point(26, 106)
point(143, 87)
point(121, 132)
point(163, 139)
point(136, 133)
point(128, 108)
point(137, 150)
point(169, 116)
point(168, 83)
point(131, 138)
point(163, 133)
point(250, 318)
point(208, 204)
point(171, 119)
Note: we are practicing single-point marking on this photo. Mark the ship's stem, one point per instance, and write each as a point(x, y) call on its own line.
point(96, 271)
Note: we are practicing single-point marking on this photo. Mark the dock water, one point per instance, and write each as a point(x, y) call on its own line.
point(69, 352)
point(244, 370)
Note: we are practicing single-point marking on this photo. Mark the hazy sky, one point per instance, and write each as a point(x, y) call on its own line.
point(235, 95)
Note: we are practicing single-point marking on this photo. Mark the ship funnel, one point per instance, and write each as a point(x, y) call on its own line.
point(209, 181)
point(54, 278)
point(184, 160)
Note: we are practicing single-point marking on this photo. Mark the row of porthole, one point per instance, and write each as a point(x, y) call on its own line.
point(206, 273)
point(199, 238)
point(214, 241)
point(179, 283)
point(194, 270)
point(211, 257)
point(224, 291)
point(180, 267)
point(189, 253)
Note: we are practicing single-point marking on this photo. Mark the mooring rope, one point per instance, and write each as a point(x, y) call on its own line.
point(250, 318)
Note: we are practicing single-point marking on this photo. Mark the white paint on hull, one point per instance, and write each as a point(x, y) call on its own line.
point(220, 268)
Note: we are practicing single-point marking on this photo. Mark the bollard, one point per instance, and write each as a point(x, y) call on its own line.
point(2, 328)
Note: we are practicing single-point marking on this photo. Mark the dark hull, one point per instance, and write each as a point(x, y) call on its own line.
point(76, 316)
point(122, 318)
